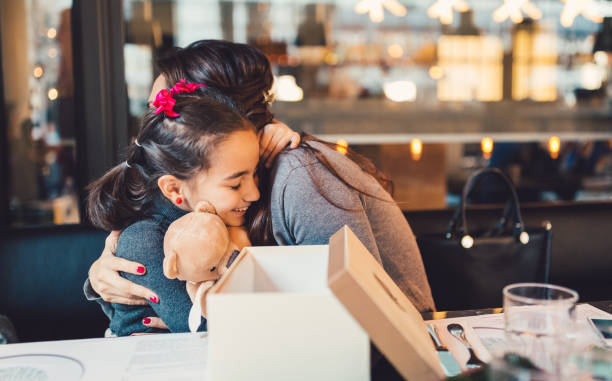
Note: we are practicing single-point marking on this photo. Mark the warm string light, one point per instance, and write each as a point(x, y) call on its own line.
point(285, 89)
point(600, 58)
point(400, 91)
point(554, 146)
point(486, 144)
point(436, 72)
point(443, 10)
point(514, 10)
point(376, 8)
point(573, 8)
point(395, 51)
point(38, 71)
point(52, 94)
point(416, 149)
point(342, 146)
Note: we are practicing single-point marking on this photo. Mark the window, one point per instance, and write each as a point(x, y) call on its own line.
point(429, 93)
point(40, 130)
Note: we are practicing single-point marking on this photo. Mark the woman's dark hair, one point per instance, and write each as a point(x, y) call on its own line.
point(179, 146)
point(238, 71)
point(244, 74)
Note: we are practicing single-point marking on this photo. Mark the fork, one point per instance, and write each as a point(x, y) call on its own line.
point(457, 330)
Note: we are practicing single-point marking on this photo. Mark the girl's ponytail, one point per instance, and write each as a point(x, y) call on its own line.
point(117, 199)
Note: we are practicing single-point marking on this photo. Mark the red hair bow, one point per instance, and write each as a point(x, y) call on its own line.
point(164, 101)
point(183, 87)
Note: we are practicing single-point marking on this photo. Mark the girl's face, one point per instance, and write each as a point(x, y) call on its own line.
point(229, 184)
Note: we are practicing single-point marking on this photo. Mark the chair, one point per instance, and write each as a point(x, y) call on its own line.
point(42, 271)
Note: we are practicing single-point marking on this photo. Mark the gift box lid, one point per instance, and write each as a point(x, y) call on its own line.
point(393, 323)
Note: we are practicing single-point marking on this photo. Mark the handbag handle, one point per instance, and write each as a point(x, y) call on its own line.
point(512, 211)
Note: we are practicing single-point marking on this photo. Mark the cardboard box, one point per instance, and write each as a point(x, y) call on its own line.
point(309, 313)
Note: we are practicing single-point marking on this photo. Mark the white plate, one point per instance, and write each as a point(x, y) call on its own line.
point(40, 367)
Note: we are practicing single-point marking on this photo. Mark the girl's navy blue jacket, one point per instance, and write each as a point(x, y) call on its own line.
point(143, 242)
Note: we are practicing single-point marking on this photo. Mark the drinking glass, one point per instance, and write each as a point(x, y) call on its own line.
point(539, 320)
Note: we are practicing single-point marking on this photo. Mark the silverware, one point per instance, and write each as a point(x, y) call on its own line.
point(448, 362)
point(459, 333)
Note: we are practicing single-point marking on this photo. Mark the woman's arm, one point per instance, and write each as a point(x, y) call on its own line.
point(105, 282)
point(174, 304)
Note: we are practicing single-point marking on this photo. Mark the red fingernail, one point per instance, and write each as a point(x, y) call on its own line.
point(146, 321)
point(154, 299)
point(140, 270)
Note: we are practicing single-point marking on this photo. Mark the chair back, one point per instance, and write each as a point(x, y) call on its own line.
point(42, 271)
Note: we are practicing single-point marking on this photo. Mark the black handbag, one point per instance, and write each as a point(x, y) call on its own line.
point(468, 270)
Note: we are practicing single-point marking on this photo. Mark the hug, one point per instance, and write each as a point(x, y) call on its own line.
point(203, 145)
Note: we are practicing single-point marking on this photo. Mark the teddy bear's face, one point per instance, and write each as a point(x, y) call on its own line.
point(199, 242)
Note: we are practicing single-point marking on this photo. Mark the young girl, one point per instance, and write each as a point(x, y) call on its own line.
point(189, 149)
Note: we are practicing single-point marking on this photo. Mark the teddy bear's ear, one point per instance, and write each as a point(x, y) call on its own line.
point(170, 270)
point(205, 207)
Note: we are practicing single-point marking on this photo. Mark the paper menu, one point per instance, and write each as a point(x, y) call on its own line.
point(169, 358)
point(486, 333)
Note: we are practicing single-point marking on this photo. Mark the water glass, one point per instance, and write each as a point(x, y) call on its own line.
point(539, 320)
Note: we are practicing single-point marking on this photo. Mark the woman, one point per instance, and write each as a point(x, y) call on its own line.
point(314, 189)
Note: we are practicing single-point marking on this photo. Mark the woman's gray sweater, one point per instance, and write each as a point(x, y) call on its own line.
point(307, 204)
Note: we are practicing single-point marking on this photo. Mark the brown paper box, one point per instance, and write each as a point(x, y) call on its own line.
point(381, 308)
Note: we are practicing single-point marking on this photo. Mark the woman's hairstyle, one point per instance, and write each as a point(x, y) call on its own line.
point(238, 71)
point(244, 74)
point(180, 146)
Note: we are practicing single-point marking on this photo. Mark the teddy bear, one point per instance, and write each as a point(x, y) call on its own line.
point(198, 249)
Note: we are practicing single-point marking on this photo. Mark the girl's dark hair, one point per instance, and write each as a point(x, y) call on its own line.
point(179, 146)
point(244, 74)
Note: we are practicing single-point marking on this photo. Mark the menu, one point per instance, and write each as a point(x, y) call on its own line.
point(169, 358)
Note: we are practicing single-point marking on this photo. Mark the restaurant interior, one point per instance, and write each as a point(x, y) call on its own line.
point(432, 91)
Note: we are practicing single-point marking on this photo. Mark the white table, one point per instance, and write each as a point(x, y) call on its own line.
point(178, 357)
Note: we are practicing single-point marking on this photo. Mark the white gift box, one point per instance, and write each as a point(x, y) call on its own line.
point(309, 313)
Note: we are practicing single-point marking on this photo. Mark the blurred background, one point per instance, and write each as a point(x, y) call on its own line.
point(430, 90)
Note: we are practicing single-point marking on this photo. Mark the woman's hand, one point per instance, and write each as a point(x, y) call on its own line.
point(112, 287)
point(273, 138)
point(154, 322)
